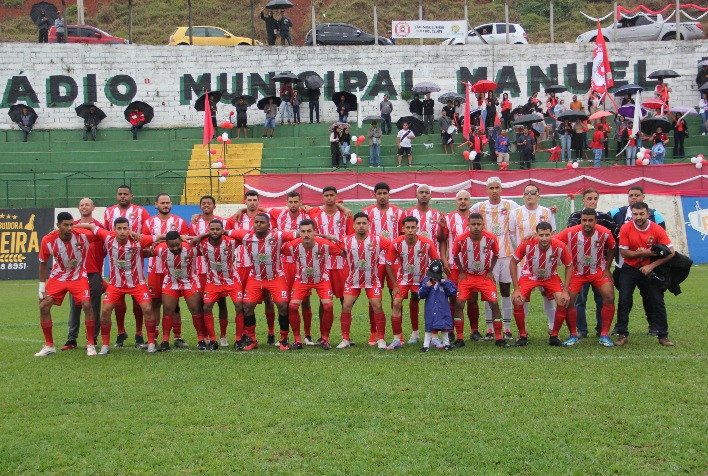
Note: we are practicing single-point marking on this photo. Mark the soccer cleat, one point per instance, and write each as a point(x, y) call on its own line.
point(326, 345)
point(435, 342)
point(381, 344)
point(212, 345)
point(571, 341)
point(345, 344)
point(522, 341)
point(458, 343)
point(296, 346)
point(46, 350)
point(284, 344)
point(223, 342)
point(164, 347)
point(476, 336)
point(250, 344)
point(271, 339)
point(396, 344)
point(451, 336)
point(309, 341)
point(121, 339)
point(413, 340)
point(606, 342)
point(70, 344)
point(488, 336)
point(448, 348)
point(502, 343)
point(319, 342)
point(508, 336)
point(425, 349)
point(651, 332)
point(139, 341)
point(91, 350)
point(554, 341)
point(151, 348)
point(372, 339)
point(201, 345)
point(180, 343)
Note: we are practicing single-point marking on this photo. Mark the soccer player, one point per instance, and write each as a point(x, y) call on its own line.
point(590, 200)
point(222, 279)
point(496, 212)
point(543, 253)
point(385, 221)
point(410, 254)
point(362, 250)
point(428, 225)
point(94, 273)
point(636, 242)
point(453, 225)
point(522, 226)
point(179, 262)
point(199, 225)
point(475, 253)
point(69, 248)
point(588, 243)
point(310, 256)
point(136, 216)
point(161, 224)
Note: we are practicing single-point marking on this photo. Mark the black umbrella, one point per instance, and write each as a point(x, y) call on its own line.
point(416, 125)
point(278, 4)
point(261, 104)
point(628, 89)
point(664, 74)
point(426, 87)
point(249, 100)
point(143, 107)
point(314, 81)
point(286, 77)
point(83, 111)
point(214, 96)
point(46, 7)
point(556, 88)
point(527, 119)
point(370, 119)
point(648, 126)
point(571, 116)
point(704, 87)
point(443, 98)
point(16, 111)
point(349, 98)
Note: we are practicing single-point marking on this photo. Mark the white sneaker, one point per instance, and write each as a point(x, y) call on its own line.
point(396, 344)
point(308, 341)
point(91, 350)
point(223, 342)
point(343, 345)
point(105, 349)
point(381, 344)
point(436, 342)
point(152, 348)
point(46, 350)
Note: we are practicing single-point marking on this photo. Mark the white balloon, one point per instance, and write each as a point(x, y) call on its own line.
point(354, 138)
point(695, 160)
point(473, 154)
point(215, 165)
point(645, 162)
point(222, 179)
point(352, 160)
point(576, 165)
point(354, 157)
point(699, 165)
point(225, 135)
point(642, 150)
point(219, 164)
point(640, 155)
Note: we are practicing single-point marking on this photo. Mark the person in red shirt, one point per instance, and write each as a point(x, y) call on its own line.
point(597, 144)
point(605, 128)
point(411, 254)
point(592, 247)
point(543, 254)
point(636, 240)
point(137, 121)
point(68, 248)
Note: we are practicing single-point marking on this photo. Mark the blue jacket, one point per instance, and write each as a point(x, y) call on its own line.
point(437, 308)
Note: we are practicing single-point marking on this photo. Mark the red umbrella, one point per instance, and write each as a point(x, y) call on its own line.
point(484, 86)
point(654, 104)
point(599, 114)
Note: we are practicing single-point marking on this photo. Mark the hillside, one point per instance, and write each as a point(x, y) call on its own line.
point(155, 20)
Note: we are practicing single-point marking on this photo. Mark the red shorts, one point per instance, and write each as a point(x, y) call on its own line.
point(289, 269)
point(253, 292)
point(383, 277)
point(202, 280)
point(300, 290)
point(454, 275)
point(155, 284)
point(176, 293)
point(78, 288)
point(243, 274)
point(214, 293)
point(403, 291)
point(477, 284)
point(371, 293)
point(596, 280)
point(337, 278)
point(140, 294)
point(551, 286)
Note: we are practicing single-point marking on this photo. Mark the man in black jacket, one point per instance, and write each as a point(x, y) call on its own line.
point(271, 25)
point(416, 107)
point(428, 113)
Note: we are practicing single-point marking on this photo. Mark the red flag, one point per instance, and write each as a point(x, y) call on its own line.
point(497, 121)
point(208, 126)
point(467, 126)
point(601, 72)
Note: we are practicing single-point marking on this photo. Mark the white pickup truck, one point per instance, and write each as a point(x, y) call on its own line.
point(643, 27)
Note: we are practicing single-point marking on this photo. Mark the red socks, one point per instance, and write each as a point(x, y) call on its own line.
point(120, 310)
point(167, 320)
point(498, 324)
point(520, 319)
point(380, 319)
point(209, 326)
point(572, 318)
point(177, 328)
point(372, 320)
point(459, 328)
point(240, 326)
point(346, 322)
point(607, 313)
point(307, 321)
point(223, 325)
point(90, 329)
point(294, 320)
point(328, 320)
point(150, 326)
point(139, 320)
point(414, 311)
point(397, 325)
point(270, 319)
point(106, 334)
point(47, 330)
point(198, 321)
point(473, 315)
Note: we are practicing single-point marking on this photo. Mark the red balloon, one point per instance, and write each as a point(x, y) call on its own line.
point(638, 162)
point(569, 165)
point(360, 140)
point(704, 162)
point(220, 139)
point(224, 173)
point(231, 113)
point(504, 165)
point(228, 141)
point(466, 154)
point(647, 155)
point(212, 151)
point(225, 125)
point(358, 160)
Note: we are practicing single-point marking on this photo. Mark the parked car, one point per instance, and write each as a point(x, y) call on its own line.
point(86, 34)
point(343, 34)
point(492, 34)
point(644, 27)
point(208, 36)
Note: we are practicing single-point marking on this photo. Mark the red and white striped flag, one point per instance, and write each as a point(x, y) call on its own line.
point(601, 79)
point(467, 126)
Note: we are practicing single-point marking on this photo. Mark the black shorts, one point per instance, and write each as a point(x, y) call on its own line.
point(404, 151)
point(241, 122)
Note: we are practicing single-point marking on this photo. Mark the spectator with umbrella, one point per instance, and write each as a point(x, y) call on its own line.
point(43, 26)
point(286, 107)
point(139, 114)
point(597, 144)
point(345, 140)
point(428, 113)
point(313, 83)
point(242, 103)
point(270, 108)
point(446, 126)
point(566, 134)
point(702, 76)
point(296, 101)
point(386, 108)
point(24, 117)
point(578, 139)
point(526, 145)
point(92, 116)
point(137, 121)
point(284, 26)
point(631, 140)
point(416, 107)
point(680, 134)
point(271, 26)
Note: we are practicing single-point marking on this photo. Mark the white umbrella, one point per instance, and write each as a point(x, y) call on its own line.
point(684, 110)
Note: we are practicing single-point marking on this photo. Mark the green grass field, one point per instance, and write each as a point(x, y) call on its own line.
point(640, 409)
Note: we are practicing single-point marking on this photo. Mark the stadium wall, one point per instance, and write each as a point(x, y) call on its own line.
point(55, 78)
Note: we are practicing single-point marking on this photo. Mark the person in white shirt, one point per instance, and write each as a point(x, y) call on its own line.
point(404, 138)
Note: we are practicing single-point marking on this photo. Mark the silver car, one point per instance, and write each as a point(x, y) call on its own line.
point(492, 34)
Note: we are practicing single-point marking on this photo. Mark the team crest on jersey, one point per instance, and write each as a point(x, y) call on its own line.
point(542, 218)
point(122, 264)
point(497, 230)
point(650, 241)
point(372, 246)
point(271, 240)
point(218, 266)
point(385, 234)
point(319, 254)
point(485, 248)
point(262, 258)
point(542, 273)
point(284, 294)
point(173, 226)
point(503, 212)
point(309, 271)
point(411, 269)
point(79, 246)
point(178, 273)
point(552, 259)
point(73, 263)
point(598, 244)
point(420, 253)
point(361, 264)
point(477, 266)
point(131, 215)
point(587, 260)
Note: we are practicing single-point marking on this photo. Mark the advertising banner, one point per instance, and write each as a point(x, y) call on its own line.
point(695, 210)
point(21, 232)
point(428, 29)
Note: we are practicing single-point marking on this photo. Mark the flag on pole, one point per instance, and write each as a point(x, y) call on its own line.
point(601, 72)
point(637, 116)
point(208, 126)
point(467, 126)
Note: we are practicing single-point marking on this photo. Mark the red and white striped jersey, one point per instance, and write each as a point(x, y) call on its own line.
point(456, 226)
point(385, 224)
point(523, 222)
point(155, 226)
point(262, 254)
point(311, 265)
point(125, 262)
point(476, 256)
point(280, 219)
point(362, 257)
point(427, 222)
point(413, 259)
point(180, 269)
point(244, 223)
point(541, 265)
point(96, 254)
point(220, 260)
point(199, 227)
point(587, 253)
point(69, 263)
point(496, 222)
point(135, 214)
point(337, 225)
